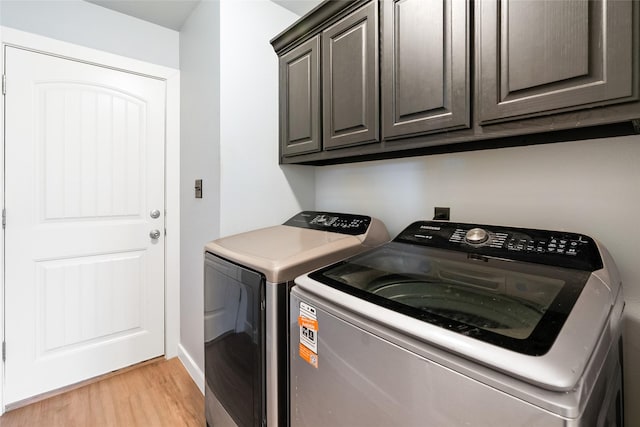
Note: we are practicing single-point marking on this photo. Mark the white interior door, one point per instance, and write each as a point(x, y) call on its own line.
point(84, 287)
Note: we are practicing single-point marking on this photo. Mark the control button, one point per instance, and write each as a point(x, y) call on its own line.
point(476, 236)
point(457, 236)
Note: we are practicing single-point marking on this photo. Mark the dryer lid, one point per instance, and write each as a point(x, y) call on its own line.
point(307, 241)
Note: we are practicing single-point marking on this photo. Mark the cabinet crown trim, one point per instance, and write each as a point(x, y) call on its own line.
point(313, 22)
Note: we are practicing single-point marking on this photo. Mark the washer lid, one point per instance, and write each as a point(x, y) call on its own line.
point(514, 305)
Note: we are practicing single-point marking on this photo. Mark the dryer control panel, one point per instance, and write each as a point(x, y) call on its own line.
point(330, 221)
point(559, 248)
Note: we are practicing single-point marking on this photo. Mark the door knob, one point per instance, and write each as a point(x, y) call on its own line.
point(154, 234)
point(154, 214)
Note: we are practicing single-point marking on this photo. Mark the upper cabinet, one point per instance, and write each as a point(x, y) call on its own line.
point(536, 57)
point(350, 79)
point(300, 117)
point(425, 66)
point(371, 79)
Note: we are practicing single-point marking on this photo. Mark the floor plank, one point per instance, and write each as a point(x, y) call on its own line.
point(156, 394)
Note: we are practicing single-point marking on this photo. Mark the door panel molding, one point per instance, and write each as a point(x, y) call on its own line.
point(350, 80)
point(421, 94)
point(594, 64)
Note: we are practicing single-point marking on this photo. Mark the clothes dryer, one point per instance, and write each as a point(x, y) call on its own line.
point(247, 281)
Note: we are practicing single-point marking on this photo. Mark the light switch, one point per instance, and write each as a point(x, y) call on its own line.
point(198, 189)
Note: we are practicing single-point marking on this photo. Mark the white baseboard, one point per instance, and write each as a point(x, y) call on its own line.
point(187, 361)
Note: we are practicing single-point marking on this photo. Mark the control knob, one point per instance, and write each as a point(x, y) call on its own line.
point(476, 236)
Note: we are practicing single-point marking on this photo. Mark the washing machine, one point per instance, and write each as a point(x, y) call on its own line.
point(454, 324)
point(247, 281)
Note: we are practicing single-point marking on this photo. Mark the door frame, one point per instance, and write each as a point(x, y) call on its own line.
point(41, 44)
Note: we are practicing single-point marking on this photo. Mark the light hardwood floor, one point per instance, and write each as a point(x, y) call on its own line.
point(160, 393)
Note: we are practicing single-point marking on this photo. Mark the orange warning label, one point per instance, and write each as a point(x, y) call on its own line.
point(308, 323)
point(309, 356)
point(305, 322)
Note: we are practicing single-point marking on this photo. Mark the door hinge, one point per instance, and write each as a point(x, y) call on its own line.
point(4, 84)
point(4, 351)
point(4, 218)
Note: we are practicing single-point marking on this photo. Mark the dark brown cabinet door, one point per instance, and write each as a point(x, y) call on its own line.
point(300, 99)
point(350, 79)
point(425, 66)
point(537, 57)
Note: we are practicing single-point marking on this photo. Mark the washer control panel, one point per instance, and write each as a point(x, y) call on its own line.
point(559, 248)
point(330, 221)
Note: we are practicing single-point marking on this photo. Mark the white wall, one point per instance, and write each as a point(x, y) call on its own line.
point(590, 187)
point(87, 24)
point(200, 159)
point(255, 191)
point(229, 139)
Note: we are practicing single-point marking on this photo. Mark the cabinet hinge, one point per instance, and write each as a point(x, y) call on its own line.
point(4, 84)
point(4, 218)
point(4, 351)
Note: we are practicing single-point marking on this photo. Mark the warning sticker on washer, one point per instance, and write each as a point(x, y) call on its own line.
point(309, 356)
point(308, 323)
